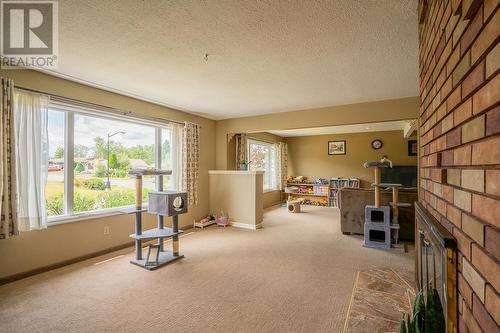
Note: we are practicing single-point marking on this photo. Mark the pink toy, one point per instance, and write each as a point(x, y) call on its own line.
point(222, 220)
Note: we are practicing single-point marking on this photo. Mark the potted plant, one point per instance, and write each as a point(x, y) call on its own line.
point(428, 314)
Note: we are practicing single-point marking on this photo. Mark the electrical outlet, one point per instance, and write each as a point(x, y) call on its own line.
point(106, 230)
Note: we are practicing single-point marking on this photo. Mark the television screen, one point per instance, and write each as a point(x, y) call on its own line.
point(405, 175)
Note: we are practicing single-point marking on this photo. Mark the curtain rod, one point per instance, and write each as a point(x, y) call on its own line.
point(106, 108)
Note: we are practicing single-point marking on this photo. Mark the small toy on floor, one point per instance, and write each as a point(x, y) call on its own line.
point(205, 222)
point(223, 220)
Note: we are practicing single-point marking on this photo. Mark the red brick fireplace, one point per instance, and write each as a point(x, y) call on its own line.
point(459, 145)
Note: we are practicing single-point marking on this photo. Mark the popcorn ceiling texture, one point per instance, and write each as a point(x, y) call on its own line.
point(460, 145)
point(264, 56)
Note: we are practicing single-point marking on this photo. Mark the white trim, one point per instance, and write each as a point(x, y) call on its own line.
point(69, 155)
point(93, 214)
point(246, 226)
point(106, 113)
point(234, 172)
point(409, 128)
point(57, 220)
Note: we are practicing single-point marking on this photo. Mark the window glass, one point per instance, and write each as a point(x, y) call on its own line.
point(100, 171)
point(96, 184)
point(54, 189)
point(262, 157)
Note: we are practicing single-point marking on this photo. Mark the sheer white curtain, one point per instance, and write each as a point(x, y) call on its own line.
point(31, 133)
point(176, 132)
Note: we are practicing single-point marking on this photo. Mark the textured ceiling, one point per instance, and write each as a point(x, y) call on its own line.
point(264, 56)
point(343, 129)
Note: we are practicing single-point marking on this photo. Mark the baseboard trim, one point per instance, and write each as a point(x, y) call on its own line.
point(23, 275)
point(246, 226)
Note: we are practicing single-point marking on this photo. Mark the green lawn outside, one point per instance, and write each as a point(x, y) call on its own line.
point(87, 198)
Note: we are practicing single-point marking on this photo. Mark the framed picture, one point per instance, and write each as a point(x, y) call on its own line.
point(336, 147)
point(412, 148)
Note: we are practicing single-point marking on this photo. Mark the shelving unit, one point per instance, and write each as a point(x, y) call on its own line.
point(323, 194)
point(336, 184)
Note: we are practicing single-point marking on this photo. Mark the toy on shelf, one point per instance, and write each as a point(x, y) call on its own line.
point(296, 180)
point(291, 190)
point(380, 231)
point(321, 181)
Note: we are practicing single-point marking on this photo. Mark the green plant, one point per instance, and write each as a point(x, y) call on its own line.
point(428, 315)
point(83, 203)
point(95, 184)
point(54, 205)
point(113, 161)
point(119, 173)
point(100, 170)
point(116, 199)
point(79, 167)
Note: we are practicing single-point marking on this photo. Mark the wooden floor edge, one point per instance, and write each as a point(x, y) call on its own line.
point(350, 302)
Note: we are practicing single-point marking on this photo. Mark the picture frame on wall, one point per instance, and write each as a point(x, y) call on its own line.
point(412, 148)
point(337, 147)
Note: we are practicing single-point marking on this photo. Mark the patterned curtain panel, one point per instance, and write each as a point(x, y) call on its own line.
point(8, 207)
point(241, 151)
point(191, 161)
point(282, 149)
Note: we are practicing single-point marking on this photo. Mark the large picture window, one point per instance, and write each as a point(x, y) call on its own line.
point(262, 157)
point(90, 156)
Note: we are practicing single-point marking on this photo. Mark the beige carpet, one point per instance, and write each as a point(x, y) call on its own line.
point(294, 275)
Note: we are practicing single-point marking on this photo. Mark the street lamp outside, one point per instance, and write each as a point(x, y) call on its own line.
point(108, 184)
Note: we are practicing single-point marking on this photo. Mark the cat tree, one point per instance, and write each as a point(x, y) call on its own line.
point(161, 203)
point(380, 231)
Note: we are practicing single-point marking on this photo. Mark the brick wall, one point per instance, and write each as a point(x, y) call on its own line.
point(459, 139)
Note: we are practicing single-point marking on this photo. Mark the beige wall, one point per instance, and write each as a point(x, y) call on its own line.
point(58, 243)
point(395, 109)
point(308, 155)
point(238, 194)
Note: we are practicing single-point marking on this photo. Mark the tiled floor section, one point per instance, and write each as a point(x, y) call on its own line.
point(380, 298)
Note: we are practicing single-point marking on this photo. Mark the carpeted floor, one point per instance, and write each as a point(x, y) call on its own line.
point(294, 275)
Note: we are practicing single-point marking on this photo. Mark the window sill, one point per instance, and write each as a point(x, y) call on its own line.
point(270, 190)
point(88, 216)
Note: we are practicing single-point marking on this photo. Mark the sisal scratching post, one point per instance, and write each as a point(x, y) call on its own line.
point(395, 200)
point(138, 192)
point(377, 189)
point(138, 216)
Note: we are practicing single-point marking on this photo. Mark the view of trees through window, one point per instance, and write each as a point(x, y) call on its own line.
point(131, 145)
point(262, 157)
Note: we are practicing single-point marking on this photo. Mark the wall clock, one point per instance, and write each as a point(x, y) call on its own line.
point(377, 144)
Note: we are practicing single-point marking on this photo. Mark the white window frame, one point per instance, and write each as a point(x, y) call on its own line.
point(270, 177)
point(69, 111)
